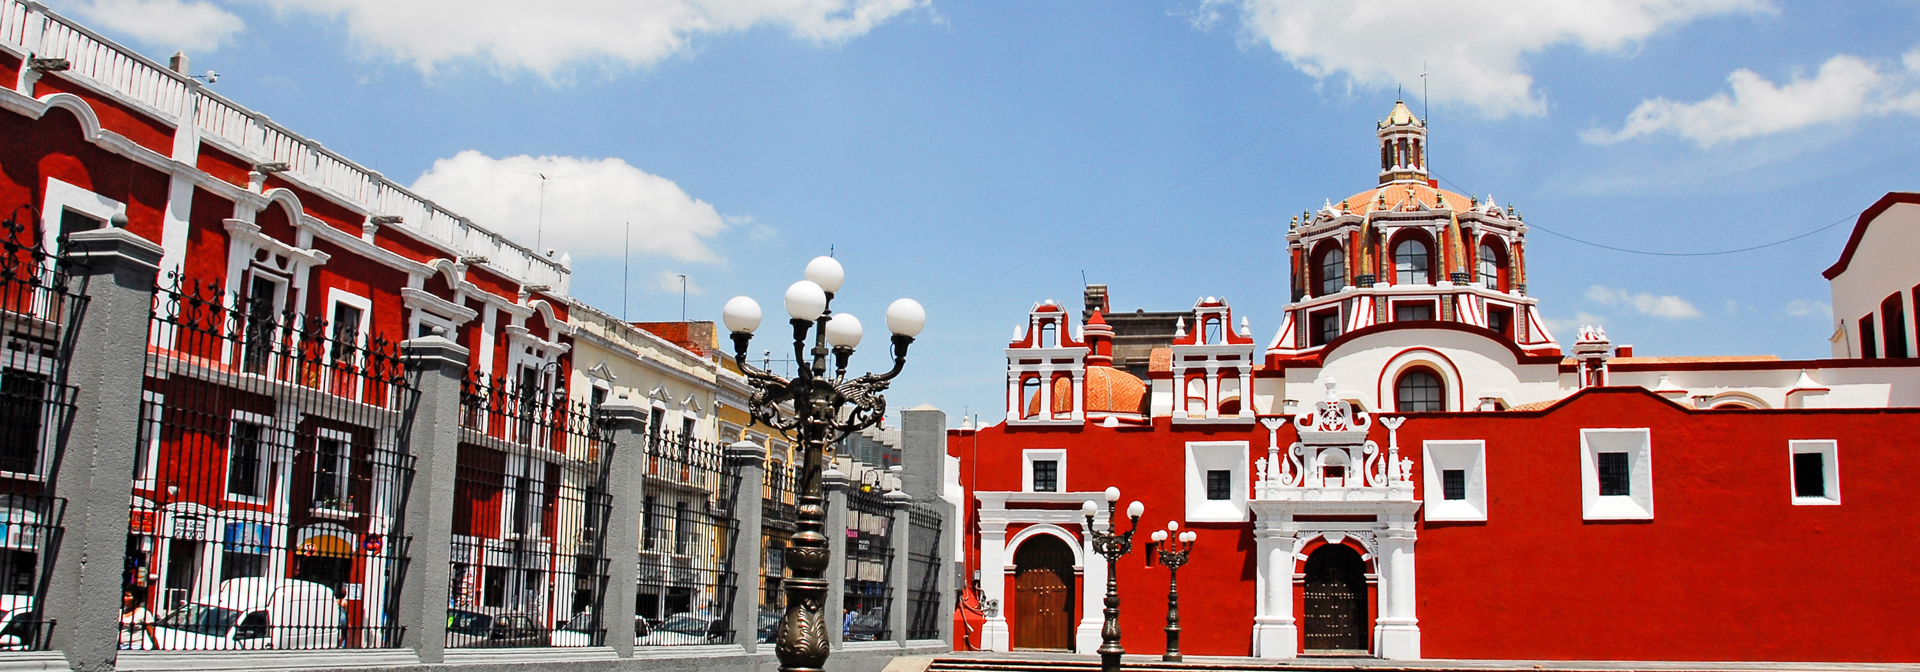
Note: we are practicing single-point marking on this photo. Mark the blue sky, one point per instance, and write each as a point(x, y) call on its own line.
point(981, 156)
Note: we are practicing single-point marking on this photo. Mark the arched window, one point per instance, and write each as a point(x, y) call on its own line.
point(1493, 265)
point(1029, 396)
point(1210, 334)
point(1410, 263)
point(1332, 270)
point(1418, 391)
point(1197, 398)
point(1046, 335)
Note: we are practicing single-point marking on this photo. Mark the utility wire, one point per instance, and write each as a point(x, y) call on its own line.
point(1652, 253)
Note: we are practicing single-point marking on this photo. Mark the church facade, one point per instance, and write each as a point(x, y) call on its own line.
point(1415, 467)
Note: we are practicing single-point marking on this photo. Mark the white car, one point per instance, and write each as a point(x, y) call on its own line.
point(255, 613)
point(577, 631)
point(681, 629)
point(16, 622)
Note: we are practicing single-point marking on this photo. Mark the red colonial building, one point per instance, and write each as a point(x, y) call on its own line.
point(1414, 467)
point(272, 440)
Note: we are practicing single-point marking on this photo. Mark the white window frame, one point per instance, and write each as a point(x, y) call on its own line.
point(337, 297)
point(343, 468)
point(1027, 458)
point(269, 450)
point(1470, 456)
point(62, 196)
point(153, 427)
point(1829, 450)
point(1638, 444)
point(282, 290)
point(1204, 456)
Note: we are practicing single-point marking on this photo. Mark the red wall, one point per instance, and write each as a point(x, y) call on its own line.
point(1728, 569)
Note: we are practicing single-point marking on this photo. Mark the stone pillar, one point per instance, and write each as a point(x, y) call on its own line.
point(900, 573)
point(749, 460)
point(835, 607)
point(1274, 633)
point(994, 635)
point(1246, 391)
point(1213, 390)
point(1399, 630)
point(115, 269)
point(438, 366)
point(923, 453)
point(627, 426)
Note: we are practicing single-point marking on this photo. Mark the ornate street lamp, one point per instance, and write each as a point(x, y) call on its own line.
point(1173, 555)
point(1112, 546)
point(826, 406)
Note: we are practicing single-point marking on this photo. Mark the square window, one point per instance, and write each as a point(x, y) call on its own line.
point(1809, 475)
point(1219, 484)
point(1326, 326)
point(1453, 484)
point(1815, 472)
point(1046, 475)
point(245, 458)
point(1216, 481)
point(1412, 312)
point(1616, 474)
point(1614, 481)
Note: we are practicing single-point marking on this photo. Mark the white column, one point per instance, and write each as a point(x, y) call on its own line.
point(1399, 631)
point(1093, 589)
point(1274, 632)
point(1080, 394)
point(1046, 393)
point(1013, 395)
point(1213, 390)
point(994, 635)
point(1246, 390)
point(1179, 381)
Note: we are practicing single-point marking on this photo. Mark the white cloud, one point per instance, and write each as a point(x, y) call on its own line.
point(545, 38)
point(1667, 306)
point(1845, 87)
point(195, 26)
point(589, 203)
point(668, 280)
point(1474, 49)
point(1805, 308)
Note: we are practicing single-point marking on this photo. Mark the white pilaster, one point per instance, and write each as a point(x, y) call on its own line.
point(1213, 390)
point(994, 635)
point(1274, 633)
point(1093, 590)
point(1046, 393)
point(1246, 391)
point(1079, 395)
point(1398, 631)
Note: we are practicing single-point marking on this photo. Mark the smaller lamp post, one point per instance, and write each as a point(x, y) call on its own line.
point(1173, 555)
point(1112, 545)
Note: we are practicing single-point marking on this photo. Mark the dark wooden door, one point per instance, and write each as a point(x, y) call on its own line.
point(1043, 595)
point(1336, 600)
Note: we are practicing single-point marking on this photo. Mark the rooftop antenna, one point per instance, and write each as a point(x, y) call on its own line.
point(1083, 277)
point(683, 297)
point(626, 269)
point(540, 219)
point(829, 250)
point(1426, 120)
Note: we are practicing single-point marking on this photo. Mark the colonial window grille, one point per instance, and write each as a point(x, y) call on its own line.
point(38, 314)
point(531, 506)
point(868, 591)
point(270, 479)
point(685, 576)
point(923, 571)
point(778, 519)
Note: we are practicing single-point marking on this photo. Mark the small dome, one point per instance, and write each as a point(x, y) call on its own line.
point(1400, 116)
point(1395, 196)
point(1109, 390)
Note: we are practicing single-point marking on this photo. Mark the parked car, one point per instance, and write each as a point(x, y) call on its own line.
point(769, 625)
point(467, 628)
point(683, 629)
point(577, 631)
point(255, 613)
point(867, 627)
point(16, 622)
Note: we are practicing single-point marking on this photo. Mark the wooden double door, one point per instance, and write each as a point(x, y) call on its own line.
point(1043, 595)
point(1335, 604)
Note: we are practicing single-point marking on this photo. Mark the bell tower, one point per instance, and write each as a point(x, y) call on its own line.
point(1403, 146)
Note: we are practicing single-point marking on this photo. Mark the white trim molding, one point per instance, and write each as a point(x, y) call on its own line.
point(1829, 451)
point(1469, 456)
point(1059, 457)
point(1205, 456)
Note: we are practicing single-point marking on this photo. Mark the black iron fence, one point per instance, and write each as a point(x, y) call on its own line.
point(685, 581)
point(868, 588)
point(38, 316)
point(528, 563)
point(778, 519)
point(924, 537)
point(270, 474)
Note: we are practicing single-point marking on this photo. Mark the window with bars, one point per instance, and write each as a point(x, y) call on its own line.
point(1046, 476)
point(1615, 475)
point(244, 458)
point(1219, 484)
point(332, 469)
point(1809, 475)
point(1453, 483)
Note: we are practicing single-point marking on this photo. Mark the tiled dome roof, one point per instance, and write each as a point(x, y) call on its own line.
point(1109, 390)
point(1397, 195)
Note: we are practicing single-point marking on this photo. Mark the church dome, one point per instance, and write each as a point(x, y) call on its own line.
point(1109, 390)
point(1401, 197)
